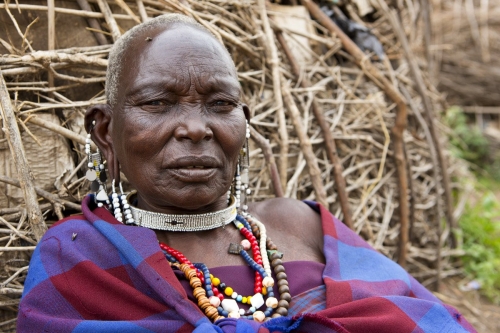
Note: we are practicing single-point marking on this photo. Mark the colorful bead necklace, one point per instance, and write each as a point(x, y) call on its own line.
point(209, 291)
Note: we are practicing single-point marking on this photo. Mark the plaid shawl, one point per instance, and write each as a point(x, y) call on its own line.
point(91, 273)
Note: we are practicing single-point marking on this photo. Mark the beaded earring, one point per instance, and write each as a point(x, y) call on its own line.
point(243, 166)
point(96, 173)
point(129, 219)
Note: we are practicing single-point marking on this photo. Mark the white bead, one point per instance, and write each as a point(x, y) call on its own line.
point(126, 206)
point(87, 140)
point(119, 219)
point(259, 316)
point(229, 305)
point(234, 314)
point(249, 191)
point(101, 166)
point(257, 300)
point(272, 302)
point(90, 165)
point(268, 281)
point(102, 196)
point(242, 312)
point(234, 295)
point(214, 300)
point(245, 207)
point(123, 197)
point(99, 204)
point(128, 216)
point(114, 195)
point(246, 244)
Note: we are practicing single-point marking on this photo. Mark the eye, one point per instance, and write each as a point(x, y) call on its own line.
point(222, 103)
point(156, 103)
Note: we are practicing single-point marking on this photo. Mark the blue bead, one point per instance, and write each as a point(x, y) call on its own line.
point(239, 298)
point(210, 293)
point(270, 292)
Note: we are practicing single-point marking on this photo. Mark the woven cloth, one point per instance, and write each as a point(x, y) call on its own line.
point(91, 273)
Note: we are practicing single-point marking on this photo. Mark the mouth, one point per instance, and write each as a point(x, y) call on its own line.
point(193, 163)
point(195, 167)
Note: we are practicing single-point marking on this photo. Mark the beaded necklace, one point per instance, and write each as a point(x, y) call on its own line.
point(209, 291)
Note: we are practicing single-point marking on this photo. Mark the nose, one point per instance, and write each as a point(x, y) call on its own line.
point(193, 127)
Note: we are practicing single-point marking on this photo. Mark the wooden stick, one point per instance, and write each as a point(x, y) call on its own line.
point(129, 11)
point(51, 25)
point(263, 144)
point(53, 198)
point(76, 12)
point(54, 57)
point(93, 23)
point(331, 147)
point(305, 145)
point(57, 129)
point(142, 10)
point(110, 20)
point(25, 175)
point(400, 122)
point(273, 60)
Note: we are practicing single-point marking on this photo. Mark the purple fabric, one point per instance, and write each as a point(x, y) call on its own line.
point(115, 278)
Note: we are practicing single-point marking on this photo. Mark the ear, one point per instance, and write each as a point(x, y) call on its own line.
point(100, 133)
point(246, 110)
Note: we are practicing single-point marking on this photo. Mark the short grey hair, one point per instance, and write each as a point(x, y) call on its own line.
point(118, 51)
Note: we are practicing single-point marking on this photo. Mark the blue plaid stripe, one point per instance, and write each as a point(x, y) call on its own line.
point(310, 301)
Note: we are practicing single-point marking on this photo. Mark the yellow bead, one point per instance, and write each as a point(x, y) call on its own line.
point(211, 276)
point(228, 291)
point(249, 299)
point(244, 300)
point(215, 281)
point(264, 291)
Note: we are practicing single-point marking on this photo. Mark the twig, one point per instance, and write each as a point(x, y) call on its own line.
point(126, 8)
point(110, 20)
point(57, 129)
point(273, 61)
point(263, 144)
point(400, 122)
point(94, 24)
point(305, 145)
point(331, 147)
point(24, 172)
point(142, 10)
point(57, 202)
point(82, 13)
point(420, 85)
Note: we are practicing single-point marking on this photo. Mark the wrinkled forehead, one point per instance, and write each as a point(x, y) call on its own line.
point(176, 46)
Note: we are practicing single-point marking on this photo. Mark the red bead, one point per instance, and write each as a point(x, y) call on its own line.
point(257, 290)
point(221, 297)
point(215, 291)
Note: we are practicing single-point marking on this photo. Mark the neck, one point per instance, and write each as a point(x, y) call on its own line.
point(187, 208)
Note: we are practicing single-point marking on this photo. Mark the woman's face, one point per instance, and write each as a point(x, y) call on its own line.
point(178, 126)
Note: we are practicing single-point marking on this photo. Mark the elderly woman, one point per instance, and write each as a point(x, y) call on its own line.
point(181, 253)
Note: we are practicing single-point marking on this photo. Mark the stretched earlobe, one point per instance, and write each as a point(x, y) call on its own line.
point(246, 110)
point(99, 124)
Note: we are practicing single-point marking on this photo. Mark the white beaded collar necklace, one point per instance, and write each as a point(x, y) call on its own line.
point(184, 222)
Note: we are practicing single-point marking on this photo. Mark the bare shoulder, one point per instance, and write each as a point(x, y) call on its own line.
point(293, 224)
